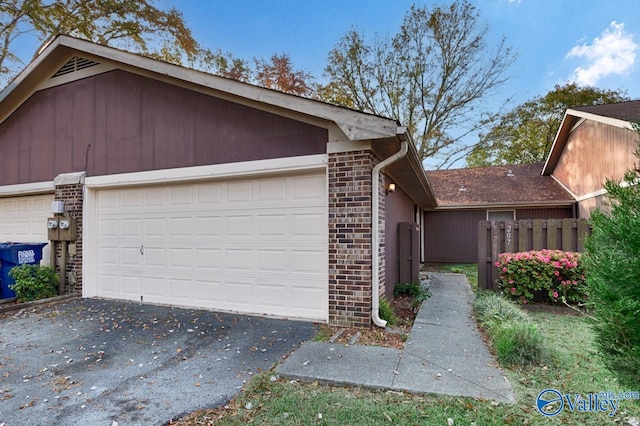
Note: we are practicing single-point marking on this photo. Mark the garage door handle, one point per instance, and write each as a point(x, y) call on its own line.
point(141, 249)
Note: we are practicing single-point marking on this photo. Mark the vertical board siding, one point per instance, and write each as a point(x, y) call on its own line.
point(582, 167)
point(118, 122)
point(524, 235)
point(398, 208)
point(451, 236)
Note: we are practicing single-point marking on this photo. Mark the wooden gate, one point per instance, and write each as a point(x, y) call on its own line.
point(513, 236)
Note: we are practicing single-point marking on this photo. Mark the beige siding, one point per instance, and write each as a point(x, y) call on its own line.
point(593, 153)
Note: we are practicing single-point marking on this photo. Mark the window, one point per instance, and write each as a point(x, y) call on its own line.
point(501, 215)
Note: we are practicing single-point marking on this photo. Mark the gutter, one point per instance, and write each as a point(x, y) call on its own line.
point(375, 229)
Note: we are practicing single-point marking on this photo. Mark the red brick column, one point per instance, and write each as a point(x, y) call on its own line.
point(350, 238)
point(72, 194)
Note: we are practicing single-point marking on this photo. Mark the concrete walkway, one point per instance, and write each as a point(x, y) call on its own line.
point(444, 353)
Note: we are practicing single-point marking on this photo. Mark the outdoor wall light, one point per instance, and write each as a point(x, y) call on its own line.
point(391, 188)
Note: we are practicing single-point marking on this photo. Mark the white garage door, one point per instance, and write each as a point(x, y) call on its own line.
point(24, 219)
point(255, 246)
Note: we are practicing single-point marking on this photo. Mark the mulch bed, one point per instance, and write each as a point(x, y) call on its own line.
point(391, 337)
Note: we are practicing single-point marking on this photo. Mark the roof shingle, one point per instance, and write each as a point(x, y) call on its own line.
point(626, 111)
point(496, 185)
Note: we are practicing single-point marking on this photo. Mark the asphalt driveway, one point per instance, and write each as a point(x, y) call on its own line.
point(90, 361)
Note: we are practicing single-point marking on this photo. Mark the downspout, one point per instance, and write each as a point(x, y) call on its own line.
point(375, 229)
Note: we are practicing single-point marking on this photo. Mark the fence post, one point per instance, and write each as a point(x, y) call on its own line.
point(492, 241)
point(482, 254)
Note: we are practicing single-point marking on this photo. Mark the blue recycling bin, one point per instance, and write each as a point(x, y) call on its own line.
point(15, 254)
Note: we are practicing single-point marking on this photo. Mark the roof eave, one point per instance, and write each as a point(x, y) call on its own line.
point(520, 205)
point(354, 124)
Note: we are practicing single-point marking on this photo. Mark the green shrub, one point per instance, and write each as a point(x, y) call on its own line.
point(34, 282)
point(491, 308)
point(386, 312)
point(612, 261)
point(547, 275)
point(517, 343)
point(516, 340)
point(414, 290)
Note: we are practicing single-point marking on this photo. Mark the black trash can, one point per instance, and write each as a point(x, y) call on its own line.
point(16, 254)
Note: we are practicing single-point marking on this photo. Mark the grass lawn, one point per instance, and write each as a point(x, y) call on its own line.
point(570, 366)
point(469, 269)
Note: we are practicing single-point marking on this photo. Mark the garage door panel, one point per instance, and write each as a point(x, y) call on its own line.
point(208, 258)
point(308, 261)
point(154, 256)
point(180, 258)
point(110, 285)
point(239, 225)
point(239, 192)
point(131, 286)
point(24, 218)
point(180, 290)
point(208, 226)
point(239, 294)
point(208, 195)
point(270, 260)
point(253, 245)
point(270, 225)
point(238, 259)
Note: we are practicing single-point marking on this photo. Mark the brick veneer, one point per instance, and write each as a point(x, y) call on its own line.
point(72, 195)
point(350, 273)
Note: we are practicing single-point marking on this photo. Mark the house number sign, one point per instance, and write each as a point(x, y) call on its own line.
point(508, 232)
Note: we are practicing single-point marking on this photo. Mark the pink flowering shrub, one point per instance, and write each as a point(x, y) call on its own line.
point(549, 275)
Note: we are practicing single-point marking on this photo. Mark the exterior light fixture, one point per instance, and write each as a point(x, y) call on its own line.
point(391, 188)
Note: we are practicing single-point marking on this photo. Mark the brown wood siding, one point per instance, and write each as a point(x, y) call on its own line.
point(545, 213)
point(452, 236)
point(593, 153)
point(135, 124)
point(398, 208)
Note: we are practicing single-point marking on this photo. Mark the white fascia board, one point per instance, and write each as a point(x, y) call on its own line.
point(26, 189)
point(615, 122)
point(356, 125)
point(216, 171)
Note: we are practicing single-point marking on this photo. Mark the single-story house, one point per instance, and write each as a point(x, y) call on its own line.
point(195, 190)
point(466, 196)
point(594, 143)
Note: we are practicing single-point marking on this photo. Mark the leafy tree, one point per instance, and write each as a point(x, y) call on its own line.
point(526, 133)
point(139, 26)
point(279, 74)
point(129, 24)
point(224, 64)
point(432, 76)
point(612, 261)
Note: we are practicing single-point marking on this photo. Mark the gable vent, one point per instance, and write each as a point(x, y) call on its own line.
point(75, 64)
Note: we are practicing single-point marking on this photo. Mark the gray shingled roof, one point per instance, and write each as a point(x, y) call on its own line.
point(515, 184)
point(627, 111)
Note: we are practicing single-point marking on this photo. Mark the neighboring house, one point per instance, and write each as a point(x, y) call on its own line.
point(466, 196)
point(195, 190)
point(594, 143)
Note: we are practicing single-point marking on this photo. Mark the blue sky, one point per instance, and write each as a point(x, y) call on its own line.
point(592, 42)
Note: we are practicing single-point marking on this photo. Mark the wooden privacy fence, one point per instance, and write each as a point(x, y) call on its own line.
point(513, 236)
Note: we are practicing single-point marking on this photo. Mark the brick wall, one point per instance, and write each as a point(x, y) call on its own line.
point(350, 272)
point(72, 196)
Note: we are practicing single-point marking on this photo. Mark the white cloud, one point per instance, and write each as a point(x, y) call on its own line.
point(614, 52)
